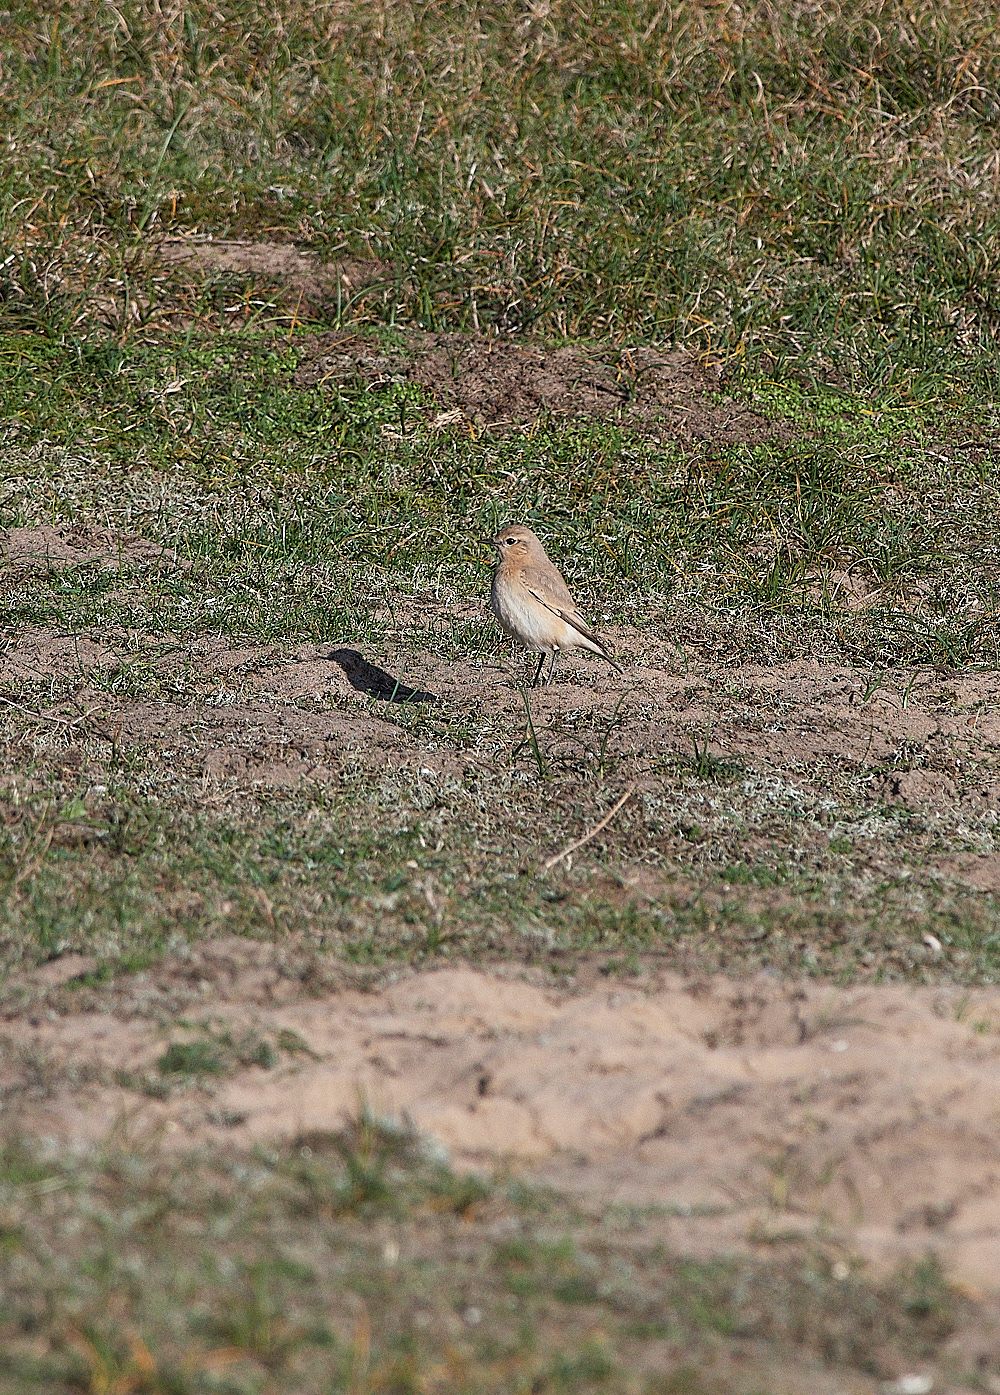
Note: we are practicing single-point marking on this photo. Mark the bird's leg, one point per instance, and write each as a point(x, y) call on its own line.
point(541, 660)
point(552, 666)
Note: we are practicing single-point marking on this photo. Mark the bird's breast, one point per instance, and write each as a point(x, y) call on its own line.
point(525, 618)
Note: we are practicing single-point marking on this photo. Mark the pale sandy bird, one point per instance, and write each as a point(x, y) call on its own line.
point(533, 603)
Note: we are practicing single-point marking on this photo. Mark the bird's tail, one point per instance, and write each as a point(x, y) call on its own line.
point(602, 653)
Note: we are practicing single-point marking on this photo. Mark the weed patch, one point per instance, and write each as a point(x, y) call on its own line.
point(237, 1252)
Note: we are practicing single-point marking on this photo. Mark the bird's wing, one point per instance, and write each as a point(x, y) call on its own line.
point(547, 585)
point(554, 594)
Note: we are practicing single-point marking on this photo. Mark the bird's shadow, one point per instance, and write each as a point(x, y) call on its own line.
point(369, 678)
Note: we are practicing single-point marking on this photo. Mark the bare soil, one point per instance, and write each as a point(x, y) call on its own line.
point(496, 382)
point(487, 380)
point(752, 1115)
point(277, 715)
point(44, 549)
point(294, 279)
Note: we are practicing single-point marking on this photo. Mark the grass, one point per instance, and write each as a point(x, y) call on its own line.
point(742, 553)
point(806, 200)
point(358, 1261)
point(816, 187)
point(280, 503)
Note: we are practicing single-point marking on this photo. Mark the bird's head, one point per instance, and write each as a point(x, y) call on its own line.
point(516, 543)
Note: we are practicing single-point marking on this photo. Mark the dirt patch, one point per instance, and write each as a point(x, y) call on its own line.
point(497, 382)
point(800, 722)
point(482, 380)
point(807, 739)
point(297, 280)
point(40, 654)
point(980, 873)
point(46, 548)
point(340, 671)
point(755, 1115)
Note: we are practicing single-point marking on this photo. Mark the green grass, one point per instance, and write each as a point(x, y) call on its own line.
point(344, 882)
point(813, 187)
point(359, 1262)
point(282, 497)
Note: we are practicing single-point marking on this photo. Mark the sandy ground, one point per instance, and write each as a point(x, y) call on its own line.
point(750, 1115)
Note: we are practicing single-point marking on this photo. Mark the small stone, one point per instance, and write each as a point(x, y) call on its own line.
point(909, 1385)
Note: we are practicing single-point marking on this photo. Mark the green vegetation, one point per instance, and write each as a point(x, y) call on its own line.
point(813, 185)
point(356, 1261)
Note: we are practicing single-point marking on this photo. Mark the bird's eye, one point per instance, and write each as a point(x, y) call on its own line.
point(510, 540)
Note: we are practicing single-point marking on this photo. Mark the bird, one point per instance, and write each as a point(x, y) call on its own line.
point(533, 603)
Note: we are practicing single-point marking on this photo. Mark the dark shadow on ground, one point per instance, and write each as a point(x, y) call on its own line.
point(368, 678)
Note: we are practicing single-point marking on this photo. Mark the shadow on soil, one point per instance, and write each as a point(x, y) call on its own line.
point(368, 678)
